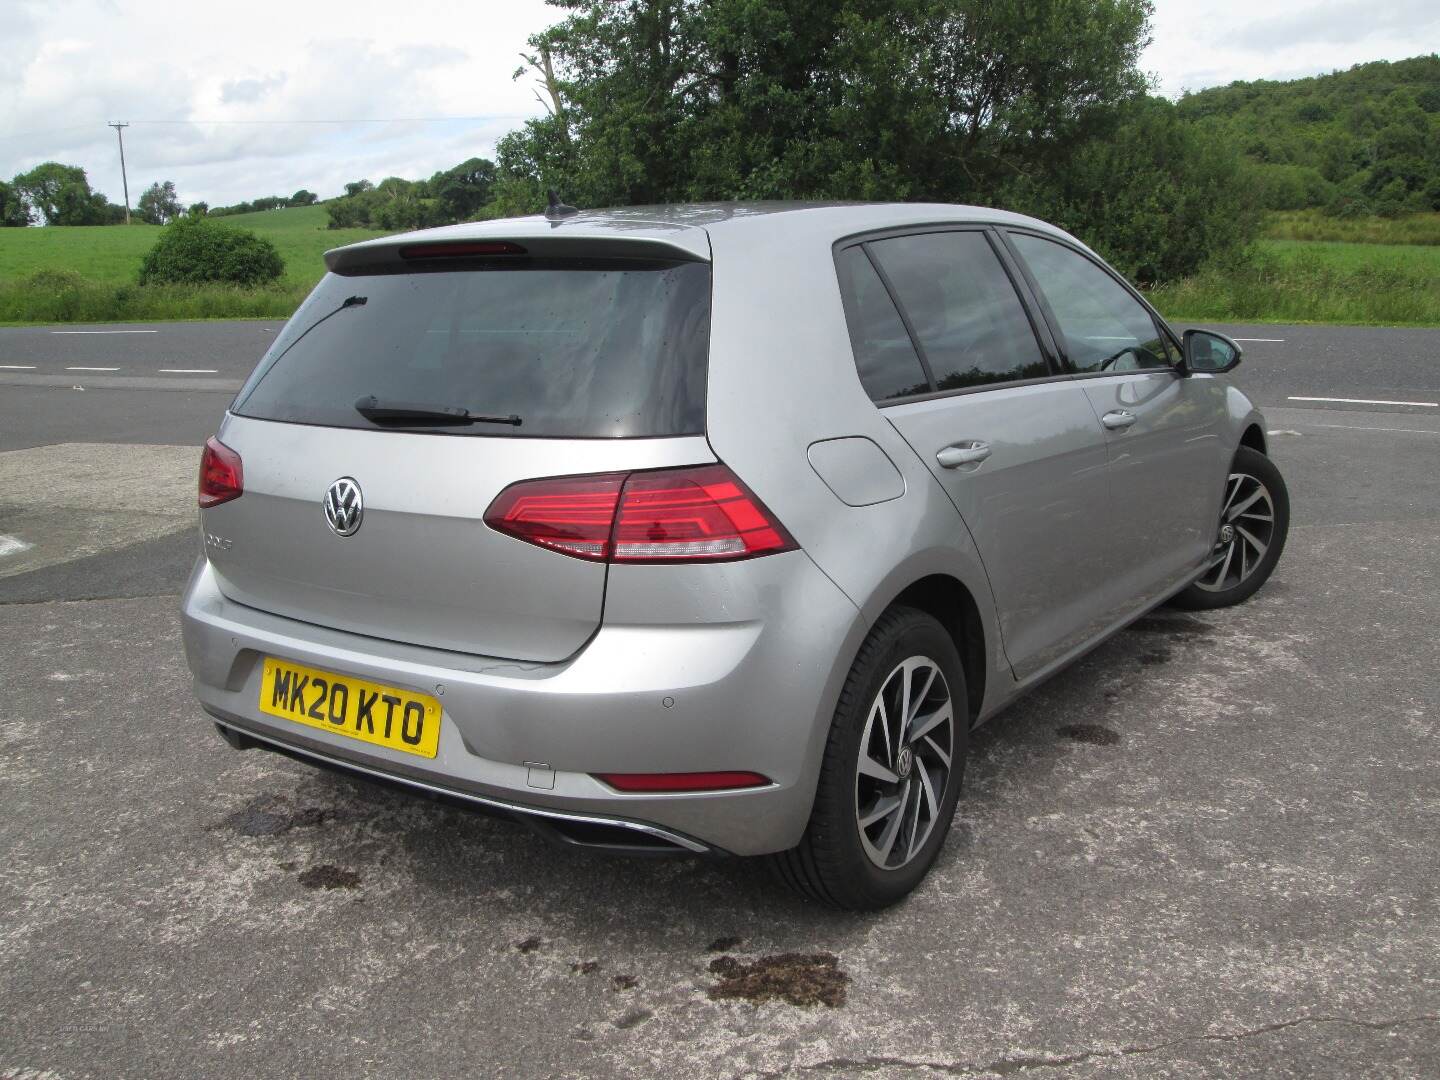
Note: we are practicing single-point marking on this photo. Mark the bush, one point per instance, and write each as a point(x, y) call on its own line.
point(196, 250)
point(1290, 187)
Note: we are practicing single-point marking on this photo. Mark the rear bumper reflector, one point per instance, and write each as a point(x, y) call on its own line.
point(685, 781)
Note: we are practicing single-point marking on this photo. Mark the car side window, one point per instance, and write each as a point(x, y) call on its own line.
point(885, 356)
point(1104, 327)
point(963, 308)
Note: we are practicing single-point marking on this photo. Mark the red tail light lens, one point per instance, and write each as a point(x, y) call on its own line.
point(682, 781)
point(221, 476)
point(701, 514)
point(569, 514)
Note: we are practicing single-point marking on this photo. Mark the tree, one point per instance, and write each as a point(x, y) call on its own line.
point(159, 204)
point(938, 99)
point(198, 209)
point(13, 211)
point(61, 195)
point(1157, 196)
point(304, 198)
point(355, 187)
point(462, 191)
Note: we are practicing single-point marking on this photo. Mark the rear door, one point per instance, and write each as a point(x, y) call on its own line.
point(946, 348)
point(1162, 429)
point(581, 365)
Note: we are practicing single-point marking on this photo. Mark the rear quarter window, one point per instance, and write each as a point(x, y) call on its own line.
point(578, 349)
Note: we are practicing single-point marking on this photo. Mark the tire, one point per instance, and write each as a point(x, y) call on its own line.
point(835, 862)
point(1253, 476)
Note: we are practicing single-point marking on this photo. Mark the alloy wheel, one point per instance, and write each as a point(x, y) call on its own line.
point(1247, 527)
point(904, 763)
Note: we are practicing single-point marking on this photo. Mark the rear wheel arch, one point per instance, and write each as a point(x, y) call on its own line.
point(949, 602)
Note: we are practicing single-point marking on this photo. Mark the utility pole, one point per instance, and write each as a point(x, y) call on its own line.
point(124, 180)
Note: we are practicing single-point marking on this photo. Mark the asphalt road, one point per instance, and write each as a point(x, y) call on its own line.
point(1231, 873)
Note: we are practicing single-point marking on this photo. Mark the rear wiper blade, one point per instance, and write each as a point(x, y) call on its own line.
point(405, 412)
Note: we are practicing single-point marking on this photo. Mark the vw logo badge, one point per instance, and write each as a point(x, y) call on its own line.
point(904, 762)
point(344, 507)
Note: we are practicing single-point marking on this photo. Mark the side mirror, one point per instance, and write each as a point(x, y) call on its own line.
point(1208, 352)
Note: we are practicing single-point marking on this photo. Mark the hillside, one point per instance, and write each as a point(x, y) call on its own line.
point(1355, 142)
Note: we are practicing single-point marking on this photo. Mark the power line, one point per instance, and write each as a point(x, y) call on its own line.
point(357, 120)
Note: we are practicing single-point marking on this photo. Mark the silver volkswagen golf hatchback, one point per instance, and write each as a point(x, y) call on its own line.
point(710, 529)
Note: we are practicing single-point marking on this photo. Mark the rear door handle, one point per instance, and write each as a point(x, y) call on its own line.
point(963, 453)
point(1118, 420)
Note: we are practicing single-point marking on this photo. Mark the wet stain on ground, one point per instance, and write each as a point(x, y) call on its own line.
point(1162, 624)
point(271, 815)
point(633, 1018)
point(329, 876)
point(799, 978)
point(1094, 734)
point(1155, 656)
point(723, 944)
point(585, 967)
point(530, 944)
point(625, 982)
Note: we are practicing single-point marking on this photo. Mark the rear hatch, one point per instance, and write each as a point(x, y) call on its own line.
point(575, 363)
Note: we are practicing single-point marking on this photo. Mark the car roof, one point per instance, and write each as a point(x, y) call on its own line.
point(686, 227)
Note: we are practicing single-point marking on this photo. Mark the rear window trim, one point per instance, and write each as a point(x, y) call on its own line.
point(467, 434)
point(1038, 325)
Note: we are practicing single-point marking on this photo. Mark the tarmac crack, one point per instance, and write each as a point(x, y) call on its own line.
point(1009, 1066)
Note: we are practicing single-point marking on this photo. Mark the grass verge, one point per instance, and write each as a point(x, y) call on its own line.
point(63, 296)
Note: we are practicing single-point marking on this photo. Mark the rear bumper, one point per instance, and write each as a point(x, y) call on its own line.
point(677, 695)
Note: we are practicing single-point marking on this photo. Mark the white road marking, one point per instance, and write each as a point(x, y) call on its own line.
point(187, 370)
point(1276, 339)
point(1356, 427)
point(92, 369)
point(12, 545)
point(104, 331)
point(17, 367)
point(1368, 401)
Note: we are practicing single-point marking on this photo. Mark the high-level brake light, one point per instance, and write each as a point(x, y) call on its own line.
point(461, 250)
point(695, 514)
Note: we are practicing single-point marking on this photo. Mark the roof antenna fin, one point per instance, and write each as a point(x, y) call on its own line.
point(555, 210)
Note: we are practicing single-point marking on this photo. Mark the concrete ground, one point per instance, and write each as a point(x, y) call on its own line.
point(1208, 849)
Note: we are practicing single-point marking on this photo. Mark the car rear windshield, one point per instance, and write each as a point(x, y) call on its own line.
point(578, 349)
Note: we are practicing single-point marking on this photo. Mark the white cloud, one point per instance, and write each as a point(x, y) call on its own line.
point(1199, 43)
point(69, 67)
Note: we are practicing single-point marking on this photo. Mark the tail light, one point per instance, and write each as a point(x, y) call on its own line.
point(221, 476)
point(682, 781)
point(700, 514)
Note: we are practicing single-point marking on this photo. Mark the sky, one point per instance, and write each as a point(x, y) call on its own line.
point(390, 70)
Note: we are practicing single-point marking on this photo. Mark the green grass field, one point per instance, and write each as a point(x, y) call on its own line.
point(92, 272)
point(111, 254)
point(1288, 279)
point(1294, 281)
point(1315, 226)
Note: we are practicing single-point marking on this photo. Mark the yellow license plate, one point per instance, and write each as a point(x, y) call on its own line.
point(371, 712)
